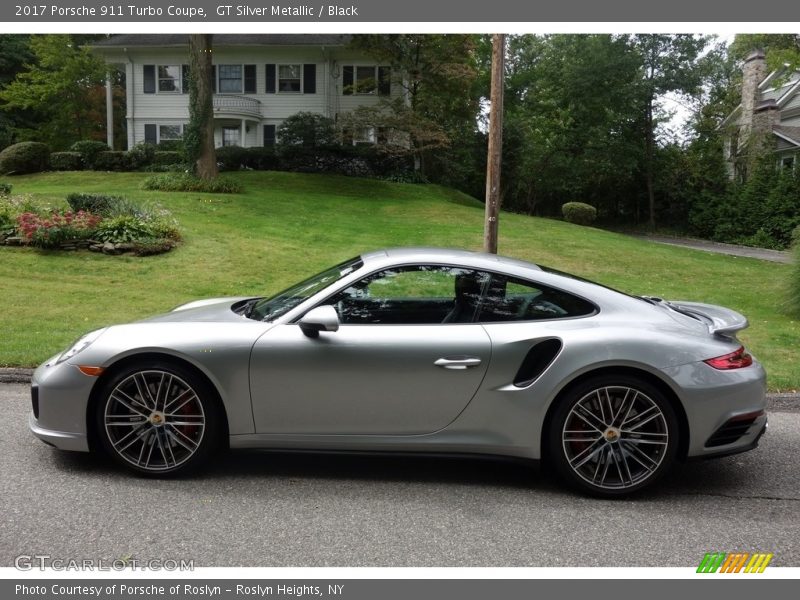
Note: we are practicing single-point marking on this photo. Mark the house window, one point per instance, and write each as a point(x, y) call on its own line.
point(368, 80)
point(169, 78)
point(289, 78)
point(230, 79)
point(230, 136)
point(787, 162)
point(169, 132)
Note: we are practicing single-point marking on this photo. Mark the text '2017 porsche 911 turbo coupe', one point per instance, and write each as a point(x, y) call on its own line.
point(416, 350)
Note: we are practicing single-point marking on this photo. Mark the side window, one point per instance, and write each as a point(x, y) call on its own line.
point(509, 299)
point(413, 295)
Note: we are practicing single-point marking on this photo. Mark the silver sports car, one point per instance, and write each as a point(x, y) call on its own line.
point(416, 350)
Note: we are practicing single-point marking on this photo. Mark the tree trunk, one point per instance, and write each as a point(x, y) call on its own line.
point(649, 143)
point(495, 145)
point(203, 108)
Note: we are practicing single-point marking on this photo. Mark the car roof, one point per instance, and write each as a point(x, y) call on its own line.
point(447, 255)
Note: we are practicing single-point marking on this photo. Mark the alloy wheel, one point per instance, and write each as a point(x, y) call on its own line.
point(154, 420)
point(615, 438)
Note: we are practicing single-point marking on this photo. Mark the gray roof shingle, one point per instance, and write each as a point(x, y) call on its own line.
point(793, 133)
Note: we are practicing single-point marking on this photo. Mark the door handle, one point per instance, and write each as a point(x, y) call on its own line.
point(457, 362)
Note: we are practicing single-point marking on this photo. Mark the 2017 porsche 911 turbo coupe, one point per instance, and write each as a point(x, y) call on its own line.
point(416, 350)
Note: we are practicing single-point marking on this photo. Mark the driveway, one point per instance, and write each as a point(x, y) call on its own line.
point(264, 509)
point(779, 256)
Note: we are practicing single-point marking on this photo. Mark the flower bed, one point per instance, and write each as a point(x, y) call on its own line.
point(108, 224)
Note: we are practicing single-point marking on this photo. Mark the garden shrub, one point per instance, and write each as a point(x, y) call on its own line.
point(5, 189)
point(89, 149)
point(124, 228)
point(186, 182)
point(100, 204)
point(579, 213)
point(170, 146)
point(66, 161)
point(57, 228)
point(25, 157)
point(761, 212)
point(307, 129)
point(141, 155)
point(261, 158)
point(231, 158)
point(794, 276)
point(165, 158)
point(111, 160)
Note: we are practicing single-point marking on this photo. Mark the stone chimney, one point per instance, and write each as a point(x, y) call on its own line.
point(753, 73)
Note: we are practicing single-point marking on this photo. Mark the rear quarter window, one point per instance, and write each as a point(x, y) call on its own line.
point(510, 299)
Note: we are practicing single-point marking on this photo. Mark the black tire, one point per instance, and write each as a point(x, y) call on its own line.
point(617, 446)
point(136, 429)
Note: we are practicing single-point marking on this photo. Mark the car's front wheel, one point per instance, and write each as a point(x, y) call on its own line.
point(157, 419)
point(611, 436)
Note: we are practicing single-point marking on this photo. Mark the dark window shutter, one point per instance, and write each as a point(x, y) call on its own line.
point(185, 79)
point(149, 80)
point(310, 79)
point(214, 78)
point(269, 135)
point(347, 81)
point(384, 81)
point(249, 79)
point(270, 72)
point(150, 135)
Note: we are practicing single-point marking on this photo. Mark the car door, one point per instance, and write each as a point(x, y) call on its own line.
point(407, 358)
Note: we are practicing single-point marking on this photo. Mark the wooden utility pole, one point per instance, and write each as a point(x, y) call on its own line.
point(495, 144)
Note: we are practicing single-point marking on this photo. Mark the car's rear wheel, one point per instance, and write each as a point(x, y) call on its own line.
point(157, 419)
point(611, 436)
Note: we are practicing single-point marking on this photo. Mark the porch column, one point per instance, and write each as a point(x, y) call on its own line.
point(242, 132)
point(109, 111)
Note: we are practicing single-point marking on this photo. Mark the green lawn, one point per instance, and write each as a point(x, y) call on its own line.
point(286, 226)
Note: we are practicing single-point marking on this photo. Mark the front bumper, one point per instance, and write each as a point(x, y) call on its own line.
point(59, 416)
point(62, 440)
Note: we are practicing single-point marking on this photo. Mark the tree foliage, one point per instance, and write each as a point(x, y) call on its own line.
point(62, 87)
point(436, 77)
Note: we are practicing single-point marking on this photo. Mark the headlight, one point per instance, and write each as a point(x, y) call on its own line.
point(79, 345)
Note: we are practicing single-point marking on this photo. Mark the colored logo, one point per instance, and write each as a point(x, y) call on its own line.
point(736, 562)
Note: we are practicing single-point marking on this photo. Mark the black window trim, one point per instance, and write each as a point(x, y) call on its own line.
point(491, 272)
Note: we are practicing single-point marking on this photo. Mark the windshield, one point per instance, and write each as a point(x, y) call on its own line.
point(271, 308)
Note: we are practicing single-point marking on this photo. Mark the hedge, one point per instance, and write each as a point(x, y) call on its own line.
point(66, 161)
point(25, 157)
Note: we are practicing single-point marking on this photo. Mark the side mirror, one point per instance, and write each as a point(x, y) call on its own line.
point(322, 318)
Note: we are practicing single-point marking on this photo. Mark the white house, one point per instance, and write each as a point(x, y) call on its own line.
point(768, 118)
point(259, 80)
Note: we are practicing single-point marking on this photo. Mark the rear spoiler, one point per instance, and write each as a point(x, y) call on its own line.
point(720, 320)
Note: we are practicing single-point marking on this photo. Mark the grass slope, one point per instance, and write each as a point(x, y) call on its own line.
point(286, 226)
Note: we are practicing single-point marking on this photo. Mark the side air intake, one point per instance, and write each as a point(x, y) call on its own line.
point(536, 361)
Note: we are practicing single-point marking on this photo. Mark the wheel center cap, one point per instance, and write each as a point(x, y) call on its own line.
point(611, 434)
point(157, 419)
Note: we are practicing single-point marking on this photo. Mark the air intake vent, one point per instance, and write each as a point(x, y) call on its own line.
point(35, 400)
point(732, 430)
point(536, 361)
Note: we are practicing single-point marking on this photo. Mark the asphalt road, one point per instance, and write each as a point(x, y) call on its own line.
point(265, 509)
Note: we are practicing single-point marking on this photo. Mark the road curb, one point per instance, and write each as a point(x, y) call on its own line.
point(776, 401)
point(15, 375)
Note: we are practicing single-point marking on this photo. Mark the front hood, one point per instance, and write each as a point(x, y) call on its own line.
point(203, 311)
point(718, 319)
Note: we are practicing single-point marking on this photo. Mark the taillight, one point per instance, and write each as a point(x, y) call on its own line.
point(735, 360)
